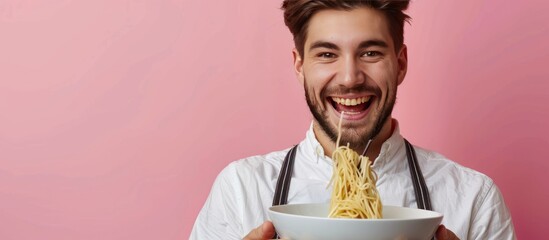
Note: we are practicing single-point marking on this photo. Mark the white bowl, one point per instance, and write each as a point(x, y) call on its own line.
point(310, 222)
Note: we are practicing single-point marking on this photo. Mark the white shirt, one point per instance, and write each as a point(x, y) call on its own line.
point(472, 204)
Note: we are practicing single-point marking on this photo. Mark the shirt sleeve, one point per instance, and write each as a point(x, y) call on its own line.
point(220, 218)
point(492, 220)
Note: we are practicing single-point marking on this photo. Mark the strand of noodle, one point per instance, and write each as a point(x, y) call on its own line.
point(339, 128)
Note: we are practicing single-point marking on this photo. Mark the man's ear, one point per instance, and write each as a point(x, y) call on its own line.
point(402, 63)
point(298, 66)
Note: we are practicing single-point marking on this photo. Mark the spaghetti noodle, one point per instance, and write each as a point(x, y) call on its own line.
point(354, 193)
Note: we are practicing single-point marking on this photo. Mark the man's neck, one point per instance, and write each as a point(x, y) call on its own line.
point(373, 150)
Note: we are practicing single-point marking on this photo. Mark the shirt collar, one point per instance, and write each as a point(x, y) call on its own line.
point(313, 147)
point(389, 148)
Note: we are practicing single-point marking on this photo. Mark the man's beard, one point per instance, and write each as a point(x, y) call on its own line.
point(357, 141)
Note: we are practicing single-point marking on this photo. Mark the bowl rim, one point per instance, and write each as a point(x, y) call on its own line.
point(272, 210)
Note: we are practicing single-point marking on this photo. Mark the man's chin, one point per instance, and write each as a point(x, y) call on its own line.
point(351, 135)
point(355, 142)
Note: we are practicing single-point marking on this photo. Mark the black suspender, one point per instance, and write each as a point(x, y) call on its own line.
point(284, 178)
point(420, 188)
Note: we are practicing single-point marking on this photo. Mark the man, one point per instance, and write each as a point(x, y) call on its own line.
point(350, 57)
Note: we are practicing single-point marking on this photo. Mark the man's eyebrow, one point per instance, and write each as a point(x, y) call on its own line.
point(323, 44)
point(373, 43)
point(364, 44)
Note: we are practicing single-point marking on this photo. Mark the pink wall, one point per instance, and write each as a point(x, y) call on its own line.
point(116, 116)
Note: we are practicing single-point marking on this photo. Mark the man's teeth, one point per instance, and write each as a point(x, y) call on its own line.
point(350, 101)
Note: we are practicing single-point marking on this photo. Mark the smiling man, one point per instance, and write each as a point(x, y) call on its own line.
point(350, 58)
point(349, 64)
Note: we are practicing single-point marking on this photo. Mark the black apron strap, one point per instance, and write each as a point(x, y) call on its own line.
point(423, 199)
point(284, 178)
point(420, 188)
point(283, 181)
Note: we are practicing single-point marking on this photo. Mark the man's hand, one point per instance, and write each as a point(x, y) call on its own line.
point(263, 232)
point(445, 234)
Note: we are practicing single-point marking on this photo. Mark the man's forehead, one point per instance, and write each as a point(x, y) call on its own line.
point(348, 26)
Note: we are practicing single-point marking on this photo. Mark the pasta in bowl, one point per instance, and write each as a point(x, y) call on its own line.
point(310, 221)
point(355, 210)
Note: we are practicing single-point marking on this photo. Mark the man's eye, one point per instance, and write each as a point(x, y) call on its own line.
point(371, 54)
point(326, 55)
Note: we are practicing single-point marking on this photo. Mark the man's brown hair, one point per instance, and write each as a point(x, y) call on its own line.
point(297, 14)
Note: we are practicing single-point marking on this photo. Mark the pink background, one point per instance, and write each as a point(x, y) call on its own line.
point(116, 116)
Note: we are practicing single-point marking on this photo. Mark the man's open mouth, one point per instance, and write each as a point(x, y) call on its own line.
point(351, 105)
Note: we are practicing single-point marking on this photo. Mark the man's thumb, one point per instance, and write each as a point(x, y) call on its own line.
point(265, 231)
point(268, 230)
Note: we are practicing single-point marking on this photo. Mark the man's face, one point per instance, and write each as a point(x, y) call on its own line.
point(349, 65)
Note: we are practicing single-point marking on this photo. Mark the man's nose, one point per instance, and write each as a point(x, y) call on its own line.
point(351, 72)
